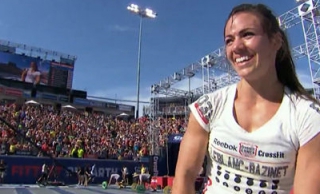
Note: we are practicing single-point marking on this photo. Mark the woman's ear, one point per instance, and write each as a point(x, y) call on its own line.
point(277, 40)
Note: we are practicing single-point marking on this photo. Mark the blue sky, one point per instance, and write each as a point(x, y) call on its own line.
point(104, 37)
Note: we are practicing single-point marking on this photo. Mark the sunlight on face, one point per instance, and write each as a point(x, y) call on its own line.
point(248, 48)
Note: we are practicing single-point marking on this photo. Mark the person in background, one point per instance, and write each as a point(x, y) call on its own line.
point(44, 174)
point(32, 74)
point(144, 175)
point(2, 171)
point(74, 151)
point(92, 174)
point(125, 175)
point(81, 174)
point(118, 179)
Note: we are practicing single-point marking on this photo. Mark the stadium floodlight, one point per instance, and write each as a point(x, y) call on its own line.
point(165, 85)
point(143, 13)
point(306, 7)
point(177, 76)
point(301, 1)
point(190, 74)
point(207, 60)
point(148, 13)
point(155, 88)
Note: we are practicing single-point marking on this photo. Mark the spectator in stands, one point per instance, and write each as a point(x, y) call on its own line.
point(79, 134)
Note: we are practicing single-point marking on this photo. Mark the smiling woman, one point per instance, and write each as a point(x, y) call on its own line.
point(267, 110)
point(251, 52)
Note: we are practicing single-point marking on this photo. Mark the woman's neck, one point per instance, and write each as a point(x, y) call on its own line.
point(255, 91)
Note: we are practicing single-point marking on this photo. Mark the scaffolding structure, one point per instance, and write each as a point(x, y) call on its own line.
point(216, 72)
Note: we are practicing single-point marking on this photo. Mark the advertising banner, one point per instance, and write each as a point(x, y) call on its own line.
point(97, 103)
point(111, 105)
point(123, 107)
point(49, 97)
point(27, 169)
point(81, 101)
point(62, 98)
point(13, 92)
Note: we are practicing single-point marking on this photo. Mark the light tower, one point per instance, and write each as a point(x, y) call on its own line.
point(142, 13)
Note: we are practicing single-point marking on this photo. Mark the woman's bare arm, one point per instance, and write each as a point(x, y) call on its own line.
point(191, 156)
point(307, 178)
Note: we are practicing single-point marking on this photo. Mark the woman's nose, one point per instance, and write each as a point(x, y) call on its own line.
point(238, 45)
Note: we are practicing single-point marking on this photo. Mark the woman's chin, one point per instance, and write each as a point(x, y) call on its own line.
point(244, 73)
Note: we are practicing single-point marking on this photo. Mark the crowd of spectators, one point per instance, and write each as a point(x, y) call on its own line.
point(70, 133)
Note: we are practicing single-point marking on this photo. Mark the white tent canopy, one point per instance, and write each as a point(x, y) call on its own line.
point(32, 102)
point(68, 107)
point(123, 115)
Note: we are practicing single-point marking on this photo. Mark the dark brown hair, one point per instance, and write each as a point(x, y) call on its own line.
point(35, 65)
point(286, 71)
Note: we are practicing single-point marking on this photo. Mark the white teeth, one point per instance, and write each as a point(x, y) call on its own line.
point(241, 59)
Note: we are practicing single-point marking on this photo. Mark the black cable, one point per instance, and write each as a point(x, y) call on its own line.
point(55, 161)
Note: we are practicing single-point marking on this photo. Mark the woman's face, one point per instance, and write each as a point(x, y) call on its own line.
point(33, 66)
point(248, 48)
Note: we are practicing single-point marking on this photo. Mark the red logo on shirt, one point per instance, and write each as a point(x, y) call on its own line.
point(248, 150)
point(198, 108)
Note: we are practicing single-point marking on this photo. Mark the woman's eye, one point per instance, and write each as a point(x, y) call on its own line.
point(227, 41)
point(248, 34)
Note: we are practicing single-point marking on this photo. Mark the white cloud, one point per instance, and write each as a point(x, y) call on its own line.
point(119, 28)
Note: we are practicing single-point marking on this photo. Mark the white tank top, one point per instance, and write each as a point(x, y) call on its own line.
point(260, 162)
point(31, 76)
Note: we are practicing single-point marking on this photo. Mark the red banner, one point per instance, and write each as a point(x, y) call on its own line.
point(91, 156)
point(13, 92)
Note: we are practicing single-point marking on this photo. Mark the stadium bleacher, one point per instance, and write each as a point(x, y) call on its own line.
point(60, 132)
